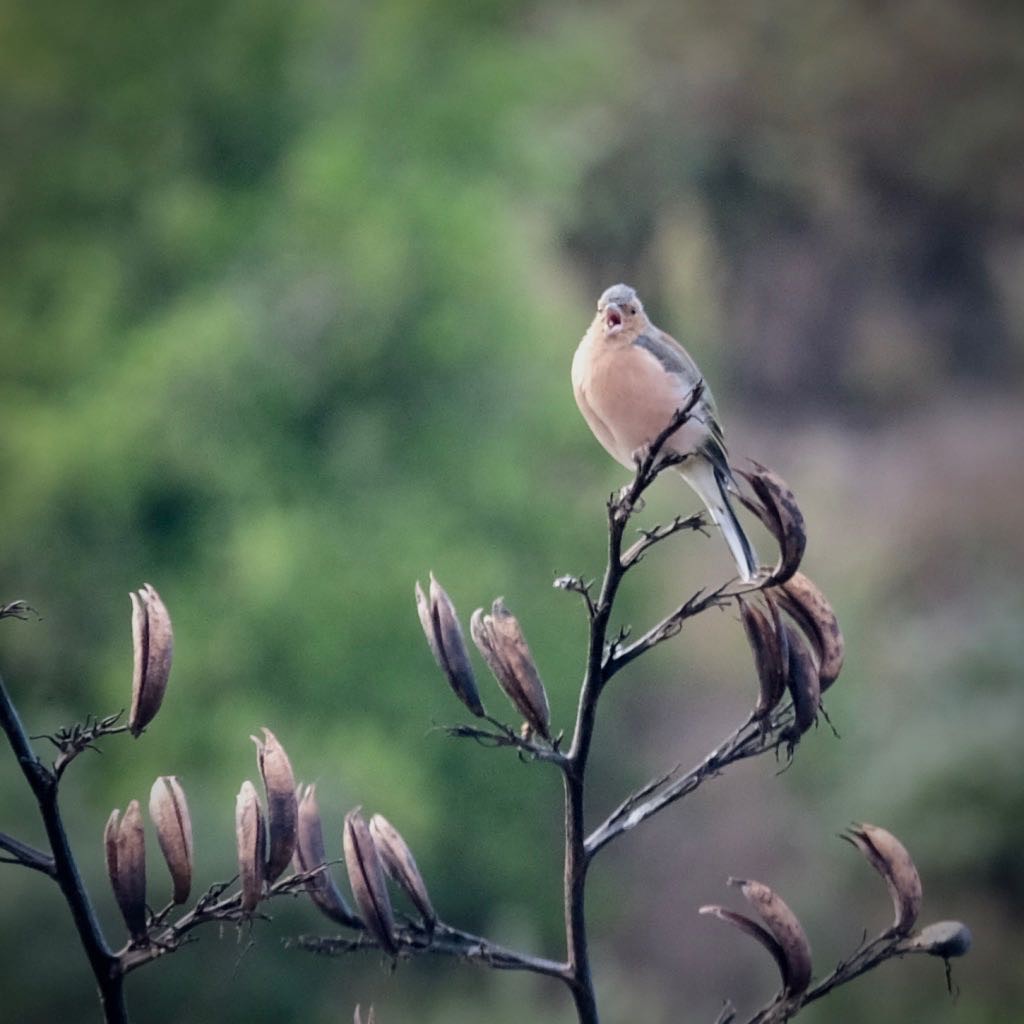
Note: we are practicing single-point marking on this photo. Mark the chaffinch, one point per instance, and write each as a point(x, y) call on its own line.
point(630, 378)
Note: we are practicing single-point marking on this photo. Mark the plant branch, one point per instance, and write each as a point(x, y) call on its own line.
point(505, 736)
point(72, 740)
point(749, 740)
point(25, 855)
point(43, 782)
point(443, 941)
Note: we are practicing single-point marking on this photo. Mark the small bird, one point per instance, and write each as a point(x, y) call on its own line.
point(629, 378)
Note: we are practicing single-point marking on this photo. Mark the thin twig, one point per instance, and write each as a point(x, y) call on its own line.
point(505, 736)
point(25, 855)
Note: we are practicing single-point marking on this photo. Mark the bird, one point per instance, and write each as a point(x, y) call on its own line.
point(630, 378)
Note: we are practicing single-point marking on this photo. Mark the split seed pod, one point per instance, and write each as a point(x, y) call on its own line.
point(783, 935)
point(500, 640)
point(889, 857)
point(770, 646)
point(448, 645)
point(803, 683)
point(310, 854)
point(781, 516)
point(250, 833)
point(124, 844)
point(153, 646)
point(947, 939)
point(400, 864)
point(809, 608)
point(366, 876)
point(169, 811)
point(282, 806)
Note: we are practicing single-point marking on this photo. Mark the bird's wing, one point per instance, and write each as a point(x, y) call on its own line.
point(675, 360)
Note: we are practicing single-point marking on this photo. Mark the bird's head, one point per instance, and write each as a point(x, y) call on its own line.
point(619, 312)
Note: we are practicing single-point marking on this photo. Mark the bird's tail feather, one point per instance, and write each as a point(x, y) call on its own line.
point(711, 486)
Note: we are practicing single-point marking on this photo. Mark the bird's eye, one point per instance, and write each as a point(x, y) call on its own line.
point(630, 310)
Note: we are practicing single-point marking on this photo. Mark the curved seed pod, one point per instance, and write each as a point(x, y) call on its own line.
point(771, 656)
point(947, 939)
point(781, 516)
point(802, 680)
point(153, 646)
point(401, 866)
point(366, 876)
point(282, 806)
point(110, 851)
point(889, 857)
point(130, 890)
point(310, 854)
point(755, 931)
point(250, 833)
point(169, 811)
point(500, 640)
point(785, 929)
point(810, 609)
point(447, 644)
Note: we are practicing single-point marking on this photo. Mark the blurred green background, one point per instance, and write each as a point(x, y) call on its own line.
point(288, 298)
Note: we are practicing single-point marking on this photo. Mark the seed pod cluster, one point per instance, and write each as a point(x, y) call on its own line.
point(778, 510)
point(124, 843)
point(251, 836)
point(448, 645)
point(366, 876)
point(152, 647)
point(400, 864)
point(782, 934)
point(310, 853)
point(889, 857)
point(500, 640)
point(282, 805)
point(168, 809)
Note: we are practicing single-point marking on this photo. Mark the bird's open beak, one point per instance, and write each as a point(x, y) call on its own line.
point(612, 319)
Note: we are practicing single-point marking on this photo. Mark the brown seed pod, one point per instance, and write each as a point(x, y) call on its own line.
point(130, 870)
point(310, 854)
point(366, 876)
point(110, 850)
point(785, 929)
point(777, 509)
point(250, 832)
point(809, 608)
point(447, 644)
point(282, 806)
point(947, 939)
point(500, 640)
point(169, 810)
point(153, 647)
point(889, 857)
point(755, 931)
point(802, 680)
point(771, 656)
point(400, 864)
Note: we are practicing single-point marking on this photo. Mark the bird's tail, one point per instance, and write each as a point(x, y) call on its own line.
point(711, 484)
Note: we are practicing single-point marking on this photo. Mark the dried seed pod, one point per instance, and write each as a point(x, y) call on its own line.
point(947, 939)
point(366, 876)
point(770, 647)
point(401, 866)
point(755, 931)
point(130, 869)
point(781, 516)
point(802, 680)
point(889, 857)
point(785, 929)
point(500, 640)
point(310, 854)
point(153, 646)
point(447, 644)
point(250, 833)
point(169, 811)
point(110, 850)
point(282, 806)
point(810, 609)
